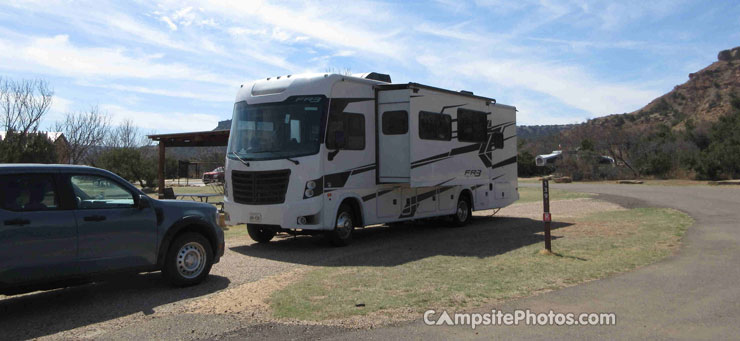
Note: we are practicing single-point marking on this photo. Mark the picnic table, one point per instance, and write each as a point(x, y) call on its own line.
point(203, 197)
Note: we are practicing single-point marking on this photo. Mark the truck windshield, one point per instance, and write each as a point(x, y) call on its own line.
point(276, 130)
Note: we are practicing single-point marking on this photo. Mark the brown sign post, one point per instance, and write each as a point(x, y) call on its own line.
point(546, 217)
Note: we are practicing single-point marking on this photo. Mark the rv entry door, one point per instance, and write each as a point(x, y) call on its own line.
point(393, 136)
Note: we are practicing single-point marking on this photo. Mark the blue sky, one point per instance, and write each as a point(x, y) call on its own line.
point(176, 65)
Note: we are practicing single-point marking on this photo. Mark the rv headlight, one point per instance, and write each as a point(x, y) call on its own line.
point(311, 184)
point(309, 193)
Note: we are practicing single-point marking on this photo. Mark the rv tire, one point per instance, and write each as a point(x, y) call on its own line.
point(260, 233)
point(344, 225)
point(463, 212)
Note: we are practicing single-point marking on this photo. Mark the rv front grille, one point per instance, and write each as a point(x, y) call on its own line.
point(260, 188)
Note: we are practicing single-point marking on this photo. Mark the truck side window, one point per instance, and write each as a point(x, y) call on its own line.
point(471, 125)
point(28, 193)
point(94, 192)
point(435, 126)
point(353, 126)
point(395, 122)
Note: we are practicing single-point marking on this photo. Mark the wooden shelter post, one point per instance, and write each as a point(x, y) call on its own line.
point(160, 170)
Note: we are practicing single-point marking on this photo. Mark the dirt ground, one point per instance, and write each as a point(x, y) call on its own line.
point(238, 290)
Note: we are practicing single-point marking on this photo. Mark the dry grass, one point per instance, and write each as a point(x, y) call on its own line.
point(594, 245)
point(650, 182)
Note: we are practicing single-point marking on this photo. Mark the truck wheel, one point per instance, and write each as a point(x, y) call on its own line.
point(189, 260)
point(463, 212)
point(260, 234)
point(342, 233)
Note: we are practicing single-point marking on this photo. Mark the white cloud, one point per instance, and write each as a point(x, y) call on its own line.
point(570, 85)
point(226, 95)
point(59, 107)
point(169, 23)
point(207, 46)
point(332, 25)
point(184, 16)
point(57, 55)
point(162, 122)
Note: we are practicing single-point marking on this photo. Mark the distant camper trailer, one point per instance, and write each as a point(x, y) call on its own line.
point(329, 153)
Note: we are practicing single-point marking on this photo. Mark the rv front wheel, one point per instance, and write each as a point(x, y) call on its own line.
point(260, 234)
point(342, 233)
point(463, 212)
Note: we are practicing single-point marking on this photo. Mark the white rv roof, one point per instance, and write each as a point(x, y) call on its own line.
point(277, 89)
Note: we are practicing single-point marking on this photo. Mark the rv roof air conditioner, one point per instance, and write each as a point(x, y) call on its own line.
point(381, 77)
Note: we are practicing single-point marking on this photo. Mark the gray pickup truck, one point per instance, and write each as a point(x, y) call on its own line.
point(62, 225)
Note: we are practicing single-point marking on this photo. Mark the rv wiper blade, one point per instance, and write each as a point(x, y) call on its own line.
point(266, 151)
point(293, 161)
point(240, 159)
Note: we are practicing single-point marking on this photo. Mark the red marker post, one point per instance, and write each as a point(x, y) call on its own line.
point(546, 217)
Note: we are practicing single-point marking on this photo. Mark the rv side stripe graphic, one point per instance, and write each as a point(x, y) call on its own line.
point(410, 209)
point(339, 179)
point(484, 148)
point(505, 162)
point(375, 195)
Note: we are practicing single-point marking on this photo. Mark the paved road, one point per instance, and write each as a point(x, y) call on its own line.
point(694, 294)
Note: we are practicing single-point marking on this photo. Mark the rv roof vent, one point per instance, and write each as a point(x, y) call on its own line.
point(466, 92)
point(382, 77)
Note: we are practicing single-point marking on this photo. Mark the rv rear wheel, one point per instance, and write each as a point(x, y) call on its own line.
point(342, 233)
point(463, 212)
point(260, 233)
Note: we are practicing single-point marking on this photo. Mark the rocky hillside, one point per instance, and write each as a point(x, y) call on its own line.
point(705, 97)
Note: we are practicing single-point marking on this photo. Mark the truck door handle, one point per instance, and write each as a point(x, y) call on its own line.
point(94, 218)
point(20, 222)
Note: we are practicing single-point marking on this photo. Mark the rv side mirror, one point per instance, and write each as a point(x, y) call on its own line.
point(339, 141)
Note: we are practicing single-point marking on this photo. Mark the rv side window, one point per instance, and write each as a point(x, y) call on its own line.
point(471, 125)
point(435, 126)
point(395, 122)
point(353, 127)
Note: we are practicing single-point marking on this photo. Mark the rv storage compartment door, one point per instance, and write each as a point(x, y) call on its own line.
point(393, 136)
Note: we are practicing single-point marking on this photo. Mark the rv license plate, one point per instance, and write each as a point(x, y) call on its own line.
point(255, 217)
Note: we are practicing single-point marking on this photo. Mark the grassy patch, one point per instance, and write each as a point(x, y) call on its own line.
point(235, 231)
point(195, 190)
point(587, 248)
point(532, 194)
point(652, 182)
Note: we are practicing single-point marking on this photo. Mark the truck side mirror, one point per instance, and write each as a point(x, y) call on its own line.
point(141, 201)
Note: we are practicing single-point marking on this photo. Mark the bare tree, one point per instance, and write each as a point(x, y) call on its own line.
point(84, 131)
point(23, 104)
point(619, 143)
point(126, 135)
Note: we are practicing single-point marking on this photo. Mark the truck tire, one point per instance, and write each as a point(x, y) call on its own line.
point(343, 227)
point(189, 260)
point(463, 212)
point(260, 234)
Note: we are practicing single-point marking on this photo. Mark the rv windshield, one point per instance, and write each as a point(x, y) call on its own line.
point(277, 130)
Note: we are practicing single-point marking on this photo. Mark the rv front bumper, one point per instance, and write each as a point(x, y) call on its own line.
point(304, 214)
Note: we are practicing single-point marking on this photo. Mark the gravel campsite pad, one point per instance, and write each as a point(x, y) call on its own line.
point(388, 274)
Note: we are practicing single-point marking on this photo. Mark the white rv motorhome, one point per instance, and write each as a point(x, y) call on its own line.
point(330, 153)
